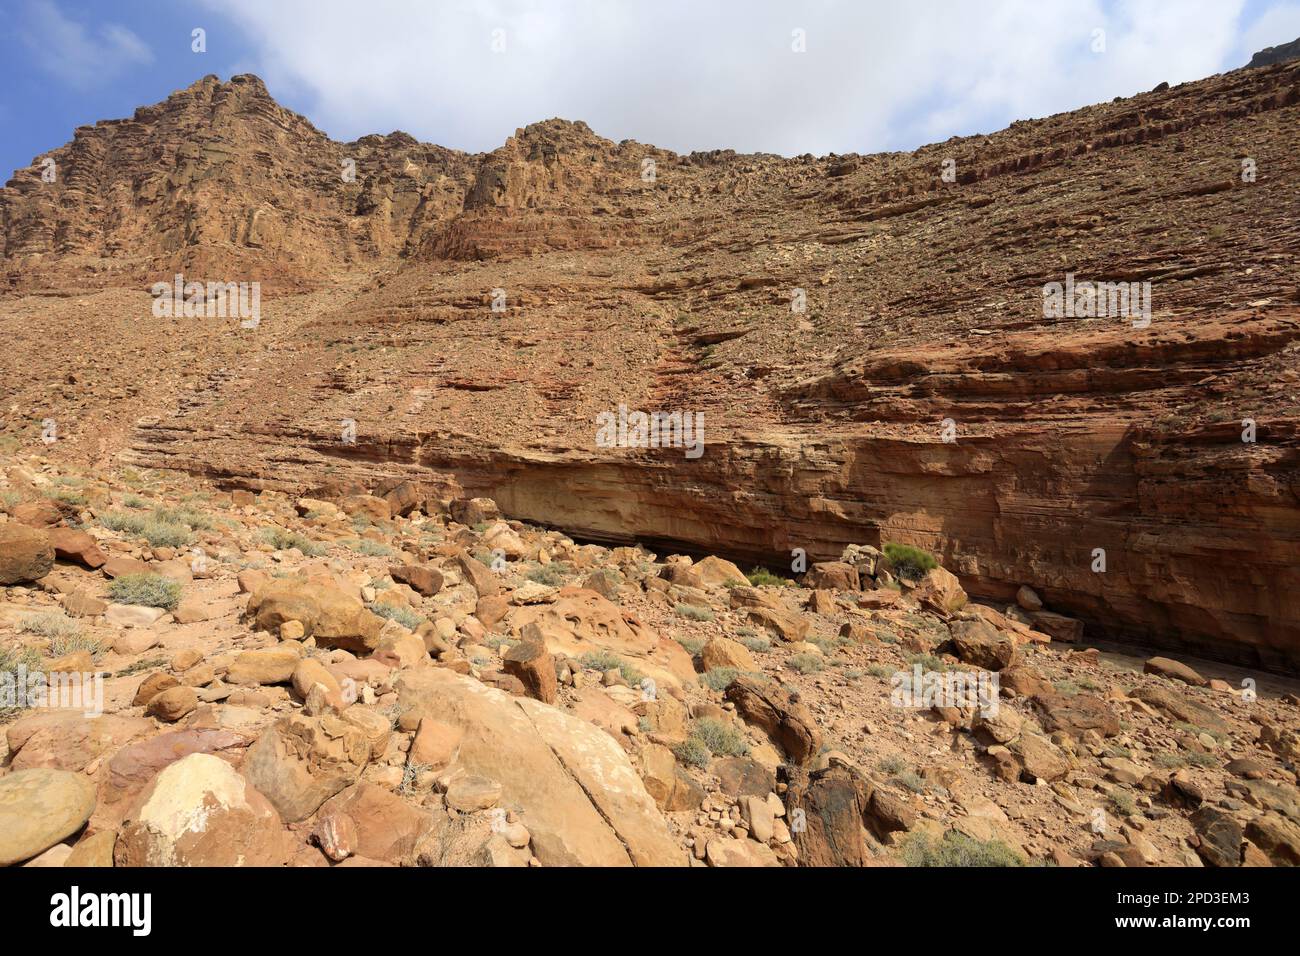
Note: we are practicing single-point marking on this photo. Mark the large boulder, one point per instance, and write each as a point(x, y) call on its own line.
point(778, 713)
point(573, 785)
point(977, 642)
point(132, 767)
point(780, 622)
point(39, 808)
point(941, 592)
point(714, 572)
point(330, 615)
point(299, 762)
point(1176, 670)
point(26, 554)
point(72, 545)
point(833, 575)
point(580, 622)
point(199, 811)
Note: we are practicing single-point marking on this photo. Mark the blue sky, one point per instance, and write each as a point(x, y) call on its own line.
point(681, 74)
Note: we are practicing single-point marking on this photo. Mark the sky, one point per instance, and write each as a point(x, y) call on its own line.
point(778, 76)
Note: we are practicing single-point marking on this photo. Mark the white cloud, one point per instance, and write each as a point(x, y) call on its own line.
point(69, 51)
point(1275, 26)
point(686, 74)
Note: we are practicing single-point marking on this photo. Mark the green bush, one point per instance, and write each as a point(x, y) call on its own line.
point(720, 678)
point(721, 738)
point(759, 645)
point(148, 590)
point(374, 549)
point(694, 613)
point(400, 613)
point(607, 661)
point(693, 753)
point(760, 577)
point(159, 532)
point(909, 562)
point(11, 658)
point(693, 645)
point(807, 663)
point(551, 575)
point(957, 849)
point(281, 539)
point(194, 520)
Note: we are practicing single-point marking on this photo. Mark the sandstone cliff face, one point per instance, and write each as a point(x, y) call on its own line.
point(823, 426)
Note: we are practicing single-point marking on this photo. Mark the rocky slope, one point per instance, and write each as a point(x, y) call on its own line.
point(673, 291)
point(405, 679)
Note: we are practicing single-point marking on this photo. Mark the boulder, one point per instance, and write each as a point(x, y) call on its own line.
point(579, 622)
point(39, 808)
point(299, 762)
point(72, 545)
point(384, 826)
point(724, 652)
point(330, 615)
point(532, 663)
point(1058, 626)
point(779, 622)
point(832, 575)
point(421, 578)
point(1219, 835)
point(1177, 670)
point(265, 665)
point(941, 592)
point(199, 811)
point(25, 553)
point(977, 642)
point(575, 790)
point(715, 572)
point(778, 713)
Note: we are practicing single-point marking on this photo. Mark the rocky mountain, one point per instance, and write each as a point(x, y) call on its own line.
point(1277, 54)
point(865, 337)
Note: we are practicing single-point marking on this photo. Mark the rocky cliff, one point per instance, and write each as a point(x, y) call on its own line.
point(864, 335)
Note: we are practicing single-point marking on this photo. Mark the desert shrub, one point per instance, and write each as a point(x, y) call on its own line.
point(760, 577)
point(134, 501)
point(1123, 803)
point(11, 658)
point(166, 534)
point(49, 624)
point(910, 780)
point(607, 661)
point(720, 678)
point(755, 643)
point(694, 613)
point(68, 496)
point(400, 613)
point(722, 738)
point(122, 522)
point(928, 662)
point(693, 645)
point(908, 561)
point(693, 753)
point(957, 849)
point(892, 765)
point(194, 520)
point(281, 539)
point(374, 549)
point(807, 663)
point(551, 575)
point(148, 590)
